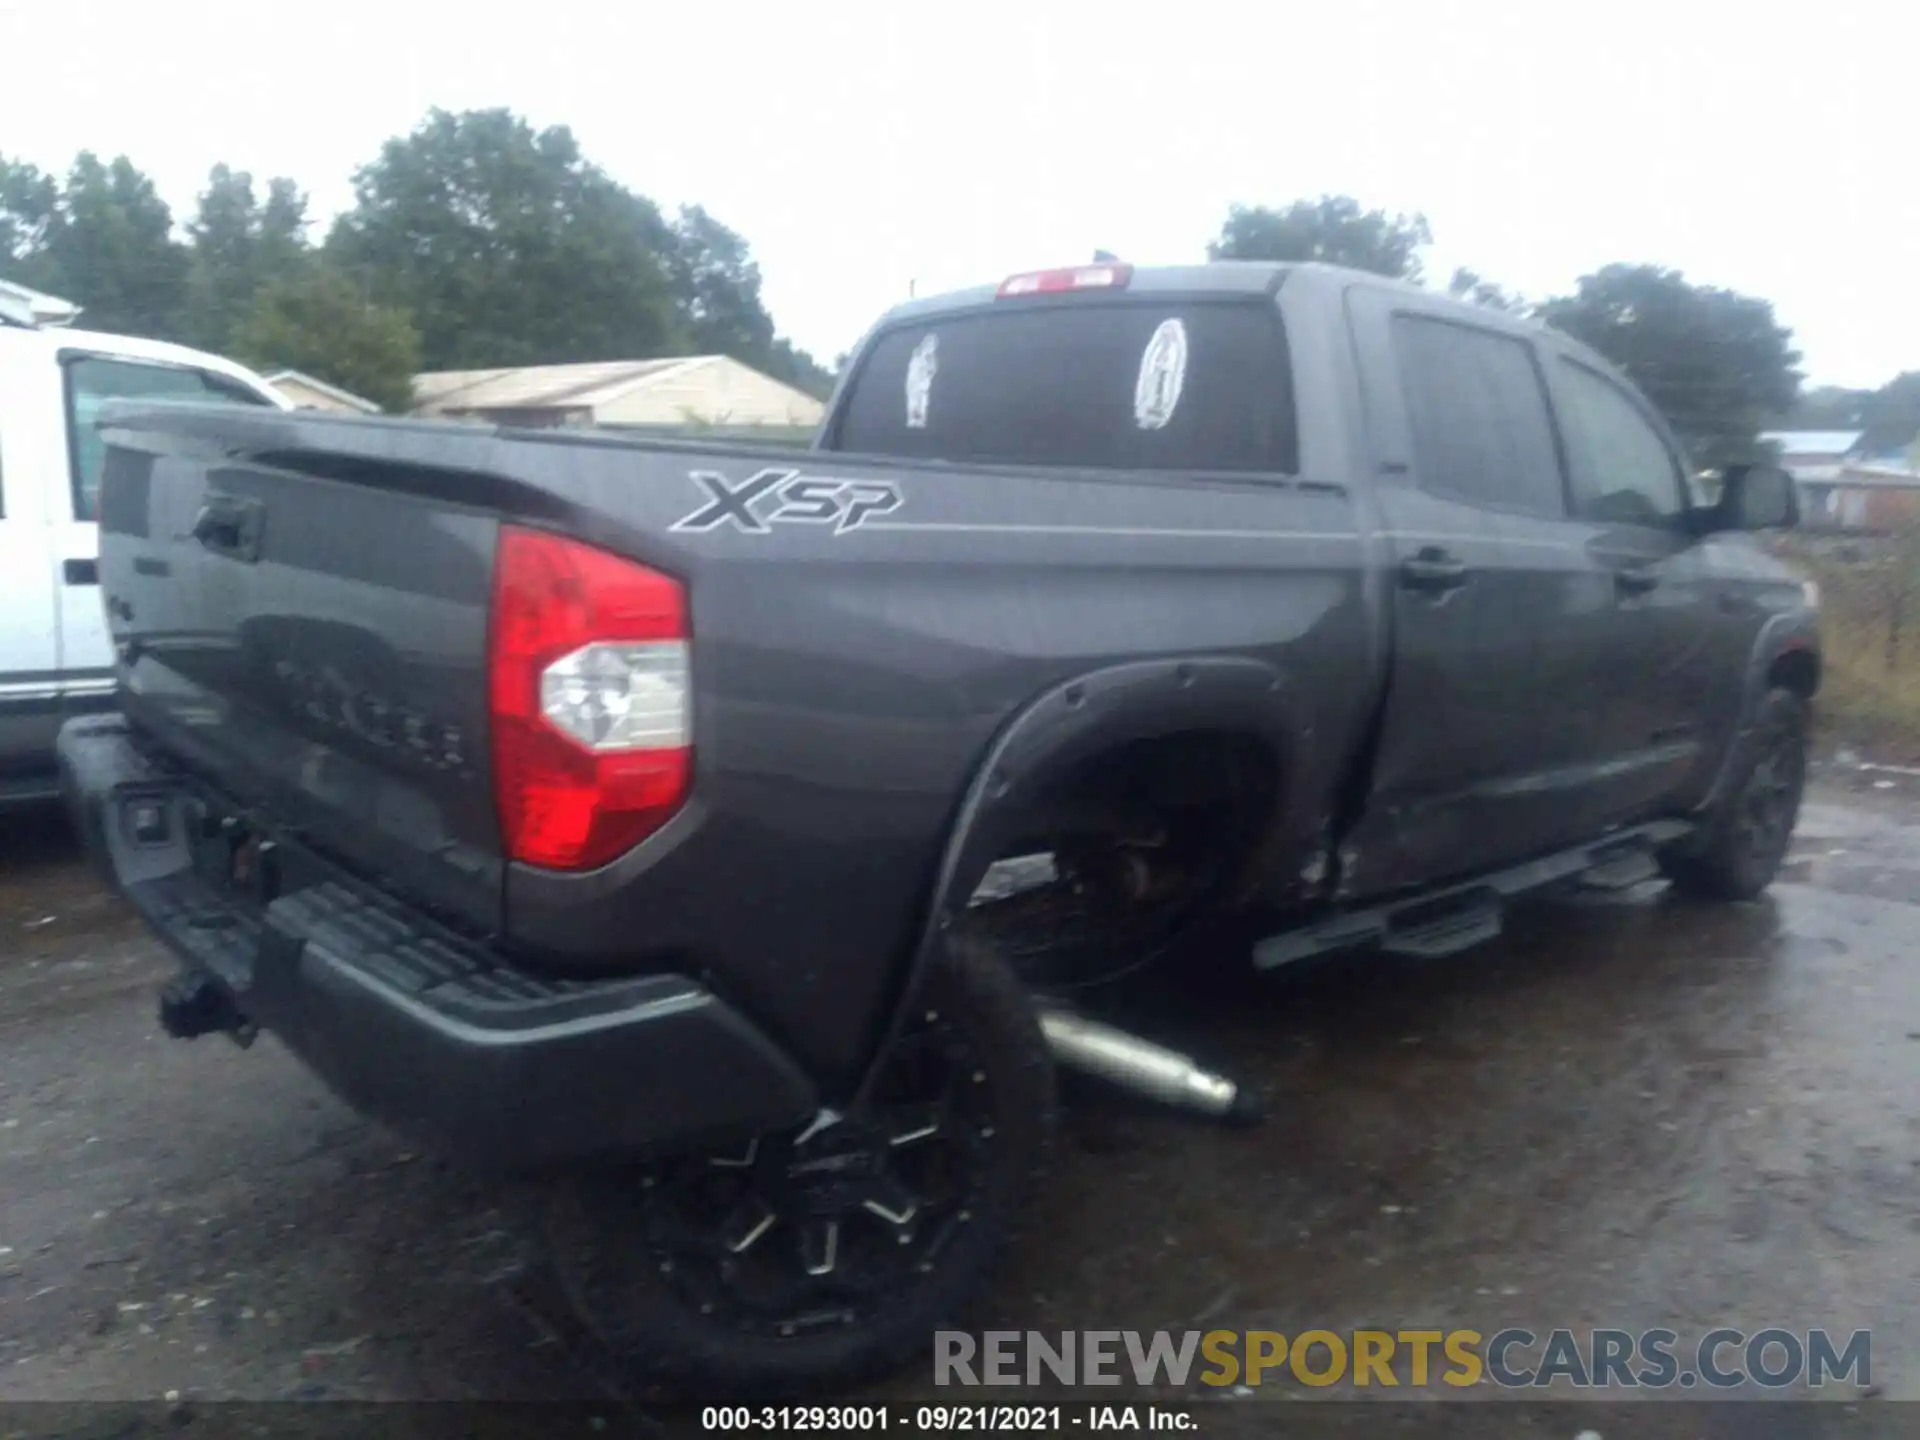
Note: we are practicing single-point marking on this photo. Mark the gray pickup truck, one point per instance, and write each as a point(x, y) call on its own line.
point(617, 811)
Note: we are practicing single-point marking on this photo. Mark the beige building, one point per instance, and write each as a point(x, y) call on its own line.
point(690, 391)
point(304, 392)
point(1873, 498)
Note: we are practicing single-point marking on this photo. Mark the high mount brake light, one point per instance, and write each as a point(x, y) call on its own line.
point(589, 697)
point(1060, 282)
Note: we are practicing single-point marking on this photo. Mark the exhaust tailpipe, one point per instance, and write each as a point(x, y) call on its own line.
point(1154, 1071)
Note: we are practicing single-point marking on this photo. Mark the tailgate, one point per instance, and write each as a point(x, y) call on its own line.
point(314, 646)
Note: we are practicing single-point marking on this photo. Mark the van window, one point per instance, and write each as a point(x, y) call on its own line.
point(92, 380)
point(1135, 384)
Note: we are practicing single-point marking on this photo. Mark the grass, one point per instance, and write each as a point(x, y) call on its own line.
point(1868, 696)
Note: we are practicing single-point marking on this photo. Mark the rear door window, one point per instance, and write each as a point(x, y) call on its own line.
point(1477, 406)
point(93, 380)
point(1134, 385)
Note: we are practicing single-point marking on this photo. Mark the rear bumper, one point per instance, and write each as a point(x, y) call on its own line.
point(489, 1064)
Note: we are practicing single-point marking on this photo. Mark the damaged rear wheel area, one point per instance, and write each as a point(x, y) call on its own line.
point(1111, 866)
point(1147, 853)
point(832, 1252)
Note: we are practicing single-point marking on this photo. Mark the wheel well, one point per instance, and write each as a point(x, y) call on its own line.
point(1795, 670)
point(1212, 787)
point(1139, 842)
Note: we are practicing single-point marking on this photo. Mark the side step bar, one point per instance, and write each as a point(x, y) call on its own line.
point(1455, 918)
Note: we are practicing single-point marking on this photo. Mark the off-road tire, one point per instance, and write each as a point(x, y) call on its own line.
point(604, 1242)
point(1740, 848)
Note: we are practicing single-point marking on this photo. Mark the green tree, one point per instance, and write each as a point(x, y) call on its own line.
point(1467, 285)
point(237, 245)
point(790, 363)
point(716, 286)
point(1827, 407)
point(1891, 415)
point(1333, 229)
point(281, 236)
point(1716, 363)
point(316, 320)
point(111, 246)
point(507, 247)
point(29, 209)
point(220, 274)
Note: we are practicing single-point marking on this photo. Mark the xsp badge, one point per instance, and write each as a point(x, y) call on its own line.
point(786, 497)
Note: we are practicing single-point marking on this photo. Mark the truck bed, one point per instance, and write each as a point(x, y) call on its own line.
point(862, 629)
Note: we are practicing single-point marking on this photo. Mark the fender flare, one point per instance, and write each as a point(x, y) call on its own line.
point(1783, 634)
point(1072, 722)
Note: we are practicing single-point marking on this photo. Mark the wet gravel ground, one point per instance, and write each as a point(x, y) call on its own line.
point(1627, 1112)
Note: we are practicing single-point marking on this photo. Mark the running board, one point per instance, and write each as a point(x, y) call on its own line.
point(1458, 917)
point(1448, 933)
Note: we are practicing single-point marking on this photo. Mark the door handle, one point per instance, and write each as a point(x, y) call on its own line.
point(1635, 579)
point(230, 525)
point(1432, 571)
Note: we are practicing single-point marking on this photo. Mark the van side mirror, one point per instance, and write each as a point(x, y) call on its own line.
point(1755, 497)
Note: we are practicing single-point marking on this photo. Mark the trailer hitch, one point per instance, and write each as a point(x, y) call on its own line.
point(195, 1004)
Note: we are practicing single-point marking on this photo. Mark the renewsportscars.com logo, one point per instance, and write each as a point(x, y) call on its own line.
point(1514, 1358)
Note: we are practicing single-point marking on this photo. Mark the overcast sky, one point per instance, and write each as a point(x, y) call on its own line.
point(860, 147)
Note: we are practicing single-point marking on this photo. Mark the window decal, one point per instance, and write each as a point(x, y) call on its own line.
point(1163, 370)
point(922, 366)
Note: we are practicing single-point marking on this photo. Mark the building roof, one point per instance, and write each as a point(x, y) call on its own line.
point(542, 387)
point(1795, 443)
point(345, 397)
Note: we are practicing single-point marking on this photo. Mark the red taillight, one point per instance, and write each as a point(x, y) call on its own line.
point(1076, 277)
point(592, 721)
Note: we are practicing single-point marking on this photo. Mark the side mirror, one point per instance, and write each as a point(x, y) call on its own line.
point(1755, 497)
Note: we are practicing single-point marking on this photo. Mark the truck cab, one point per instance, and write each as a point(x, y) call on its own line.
point(56, 659)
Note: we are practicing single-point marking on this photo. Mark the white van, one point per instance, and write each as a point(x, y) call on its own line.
point(55, 659)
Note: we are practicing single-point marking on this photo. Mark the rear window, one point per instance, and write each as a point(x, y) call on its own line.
point(1132, 385)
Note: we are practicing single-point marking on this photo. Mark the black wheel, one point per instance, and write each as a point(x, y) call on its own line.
point(819, 1256)
point(1739, 851)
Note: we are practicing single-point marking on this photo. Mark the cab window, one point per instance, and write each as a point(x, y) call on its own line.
point(1623, 471)
point(1482, 433)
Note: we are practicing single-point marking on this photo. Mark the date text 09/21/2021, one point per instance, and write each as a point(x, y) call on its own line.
point(945, 1419)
